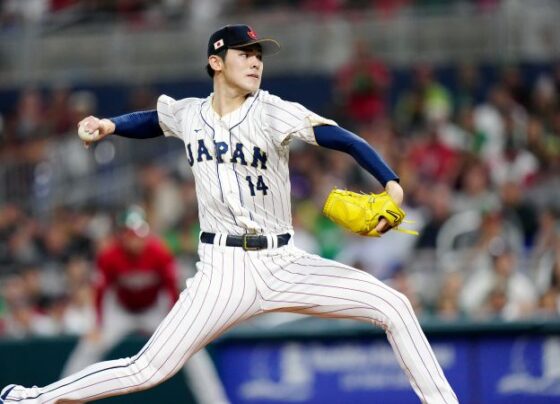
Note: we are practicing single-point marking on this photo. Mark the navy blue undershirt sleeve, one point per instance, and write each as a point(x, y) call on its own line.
point(336, 138)
point(138, 125)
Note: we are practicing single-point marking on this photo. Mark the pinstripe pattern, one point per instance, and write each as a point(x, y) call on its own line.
point(221, 294)
point(232, 285)
point(263, 121)
point(309, 284)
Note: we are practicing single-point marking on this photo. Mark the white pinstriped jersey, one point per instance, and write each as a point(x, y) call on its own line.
point(240, 160)
point(240, 164)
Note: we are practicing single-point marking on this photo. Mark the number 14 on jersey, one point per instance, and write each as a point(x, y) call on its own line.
point(260, 186)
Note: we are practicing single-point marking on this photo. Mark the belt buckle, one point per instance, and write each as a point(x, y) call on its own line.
point(244, 243)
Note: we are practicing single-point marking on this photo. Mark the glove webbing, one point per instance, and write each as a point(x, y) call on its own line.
point(407, 231)
point(397, 228)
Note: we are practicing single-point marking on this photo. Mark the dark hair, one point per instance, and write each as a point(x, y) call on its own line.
point(211, 71)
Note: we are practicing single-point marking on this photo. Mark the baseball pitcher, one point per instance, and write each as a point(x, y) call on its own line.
point(237, 145)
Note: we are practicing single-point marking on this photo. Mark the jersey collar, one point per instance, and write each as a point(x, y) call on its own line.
point(232, 119)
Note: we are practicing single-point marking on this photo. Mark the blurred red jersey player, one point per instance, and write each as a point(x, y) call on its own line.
point(137, 267)
point(135, 288)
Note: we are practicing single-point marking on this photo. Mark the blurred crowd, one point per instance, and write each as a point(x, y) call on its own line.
point(141, 13)
point(480, 165)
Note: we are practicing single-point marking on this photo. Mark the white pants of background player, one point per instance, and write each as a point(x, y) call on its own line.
point(233, 285)
point(199, 371)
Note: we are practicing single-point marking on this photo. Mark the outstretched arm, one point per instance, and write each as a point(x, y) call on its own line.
point(336, 138)
point(136, 125)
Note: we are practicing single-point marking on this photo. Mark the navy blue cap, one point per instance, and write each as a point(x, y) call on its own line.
point(239, 36)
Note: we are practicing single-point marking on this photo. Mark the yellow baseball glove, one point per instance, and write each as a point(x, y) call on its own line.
point(360, 213)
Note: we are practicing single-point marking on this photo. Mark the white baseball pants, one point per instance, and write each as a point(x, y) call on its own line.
point(199, 371)
point(233, 285)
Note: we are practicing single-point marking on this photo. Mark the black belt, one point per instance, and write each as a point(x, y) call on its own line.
point(249, 242)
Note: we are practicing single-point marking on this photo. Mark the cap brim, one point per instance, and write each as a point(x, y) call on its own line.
point(268, 46)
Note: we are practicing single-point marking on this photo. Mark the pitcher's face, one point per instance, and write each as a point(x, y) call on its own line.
point(243, 68)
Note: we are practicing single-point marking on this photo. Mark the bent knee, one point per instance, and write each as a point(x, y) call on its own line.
point(394, 304)
point(155, 371)
point(401, 302)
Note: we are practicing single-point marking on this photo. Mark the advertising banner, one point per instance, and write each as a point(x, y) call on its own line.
point(329, 372)
point(486, 369)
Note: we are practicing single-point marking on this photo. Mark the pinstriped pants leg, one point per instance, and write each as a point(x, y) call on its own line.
point(221, 294)
point(293, 280)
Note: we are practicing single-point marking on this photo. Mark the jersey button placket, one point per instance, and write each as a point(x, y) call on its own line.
point(225, 169)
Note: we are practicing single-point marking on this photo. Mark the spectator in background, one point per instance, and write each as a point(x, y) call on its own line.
point(518, 211)
point(500, 290)
point(23, 241)
point(468, 89)
point(545, 260)
point(67, 160)
point(496, 117)
point(58, 116)
point(79, 228)
point(494, 305)
point(362, 86)
point(78, 317)
point(432, 160)
point(549, 305)
point(475, 138)
point(34, 288)
point(427, 101)
point(552, 142)
point(24, 143)
point(544, 101)
point(41, 252)
point(11, 217)
point(475, 191)
point(447, 305)
point(516, 164)
point(79, 314)
point(488, 120)
point(537, 141)
point(162, 196)
point(546, 146)
point(22, 318)
point(512, 81)
point(29, 117)
point(182, 238)
point(78, 272)
point(56, 243)
point(22, 321)
point(476, 242)
point(436, 112)
point(439, 210)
